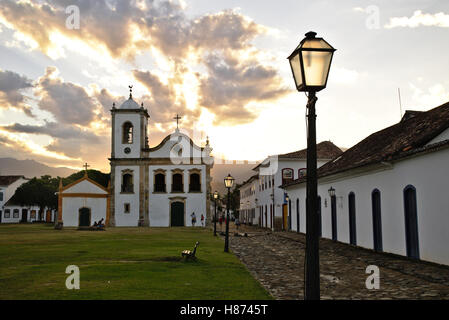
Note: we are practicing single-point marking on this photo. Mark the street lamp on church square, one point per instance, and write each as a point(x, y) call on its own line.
point(229, 183)
point(215, 215)
point(310, 63)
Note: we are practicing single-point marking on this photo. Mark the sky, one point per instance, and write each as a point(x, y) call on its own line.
point(220, 65)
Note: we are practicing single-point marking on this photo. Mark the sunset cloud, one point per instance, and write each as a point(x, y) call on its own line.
point(12, 86)
point(420, 19)
point(67, 102)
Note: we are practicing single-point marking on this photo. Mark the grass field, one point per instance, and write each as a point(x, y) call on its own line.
point(120, 263)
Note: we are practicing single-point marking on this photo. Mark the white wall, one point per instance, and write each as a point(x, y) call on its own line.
point(71, 206)
point(428, 173)
point(121, 218)
point(159, 203)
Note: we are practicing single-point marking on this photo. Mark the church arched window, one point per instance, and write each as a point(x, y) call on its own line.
point(195, 182)
point(128, 132)
point(127, 183)
point(159, 182)
point(177, 182)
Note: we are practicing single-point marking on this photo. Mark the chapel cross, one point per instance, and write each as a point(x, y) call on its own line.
point(130, 91)
point(177, 120)
point(85, 166)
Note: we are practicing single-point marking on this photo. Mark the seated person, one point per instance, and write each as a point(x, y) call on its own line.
point(95, 224)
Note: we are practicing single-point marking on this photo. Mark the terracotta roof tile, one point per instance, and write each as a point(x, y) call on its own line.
point(324, 150)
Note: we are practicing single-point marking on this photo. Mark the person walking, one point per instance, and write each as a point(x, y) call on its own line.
point(193, 218)
point(237, 223)
point(202, 220)
point(220, 221)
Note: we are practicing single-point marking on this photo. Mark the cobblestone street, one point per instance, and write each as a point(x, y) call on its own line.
point(277, 261)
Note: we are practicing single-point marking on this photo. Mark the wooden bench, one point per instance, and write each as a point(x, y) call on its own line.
point(188, 254)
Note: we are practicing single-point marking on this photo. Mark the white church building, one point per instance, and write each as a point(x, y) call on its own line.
point(389, 192)
point(160, 186)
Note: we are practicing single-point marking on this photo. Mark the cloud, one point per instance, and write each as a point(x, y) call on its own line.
point(231, 84)
point(420, 19)
point(164, 102)
point(54, 130)
point(433, 96)
point(67, 102)
point(12, 86)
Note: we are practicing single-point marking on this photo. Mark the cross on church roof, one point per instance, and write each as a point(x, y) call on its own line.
point(177, 120)
point(130, 91)
point(85, 166)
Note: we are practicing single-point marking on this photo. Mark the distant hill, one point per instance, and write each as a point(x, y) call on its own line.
point(31, 168)
point(240, 172)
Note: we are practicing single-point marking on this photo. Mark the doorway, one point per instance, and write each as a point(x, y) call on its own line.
point(84, 217)
point(24, 215)
point(352, 225)
point(411, 222)
point(334, 217)
point(377, 221)
point(177, 214)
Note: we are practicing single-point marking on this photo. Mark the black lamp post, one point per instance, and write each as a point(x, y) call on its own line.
point(310, 63)
point(229, 182)
point(215, 215)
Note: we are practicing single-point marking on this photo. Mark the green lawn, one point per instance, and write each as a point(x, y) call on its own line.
point(120, 263)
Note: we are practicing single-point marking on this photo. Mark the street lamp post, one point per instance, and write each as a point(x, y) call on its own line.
point(272, 214)
point(229, 182)
point(310, 63)
point(215, 216)
point(288, 211)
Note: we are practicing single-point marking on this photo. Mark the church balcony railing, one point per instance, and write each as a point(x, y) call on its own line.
point(194, 188)
point(177, 188)
point(128, 188)
point(160, 188)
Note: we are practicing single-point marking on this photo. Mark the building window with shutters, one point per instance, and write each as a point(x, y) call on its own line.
point(127, 208)
point(195, 181)
point(127, 181)
point(159, 181)
point(177, 181)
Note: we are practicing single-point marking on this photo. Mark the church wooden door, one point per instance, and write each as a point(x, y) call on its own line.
point(84, 217)
point(177, 214)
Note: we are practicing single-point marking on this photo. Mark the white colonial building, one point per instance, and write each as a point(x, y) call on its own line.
point(391, 190)
point(160, 186)
point(11, 212)
point(262, 202)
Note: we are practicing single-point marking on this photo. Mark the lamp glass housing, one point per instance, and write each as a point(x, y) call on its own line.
point(229, 181)
point(310, 63)
point(215, 195)
point(331, 192)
